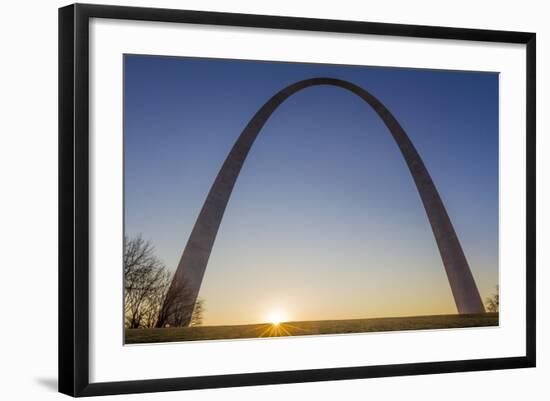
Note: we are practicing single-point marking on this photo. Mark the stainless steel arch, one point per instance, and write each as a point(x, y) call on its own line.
point(183, 292)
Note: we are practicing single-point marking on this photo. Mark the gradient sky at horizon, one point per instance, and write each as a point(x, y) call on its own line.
point(325, 221)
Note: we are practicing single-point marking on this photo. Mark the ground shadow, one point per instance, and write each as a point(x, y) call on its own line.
point(48, 382)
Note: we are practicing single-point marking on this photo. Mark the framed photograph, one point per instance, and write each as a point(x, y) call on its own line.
point(250, 199)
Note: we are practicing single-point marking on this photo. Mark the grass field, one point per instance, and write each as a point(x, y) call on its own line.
point(308, 328)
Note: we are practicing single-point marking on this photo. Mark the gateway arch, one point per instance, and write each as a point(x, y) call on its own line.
point(184, 289)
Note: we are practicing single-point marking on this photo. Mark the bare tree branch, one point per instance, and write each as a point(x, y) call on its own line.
point(146, 284)
point(492, 303)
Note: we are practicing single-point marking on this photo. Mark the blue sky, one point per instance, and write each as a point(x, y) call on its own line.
point(324, 221)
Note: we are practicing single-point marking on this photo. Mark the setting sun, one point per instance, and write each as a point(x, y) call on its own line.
point(275, 318)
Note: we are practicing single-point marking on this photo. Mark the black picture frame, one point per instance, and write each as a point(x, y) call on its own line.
point(74, 200)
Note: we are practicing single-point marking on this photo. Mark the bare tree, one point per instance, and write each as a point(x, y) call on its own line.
point(198, 312)
point(492, 303)
point(147, 301)
point(145, 283)
point(177, 308)
point(151, 309)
